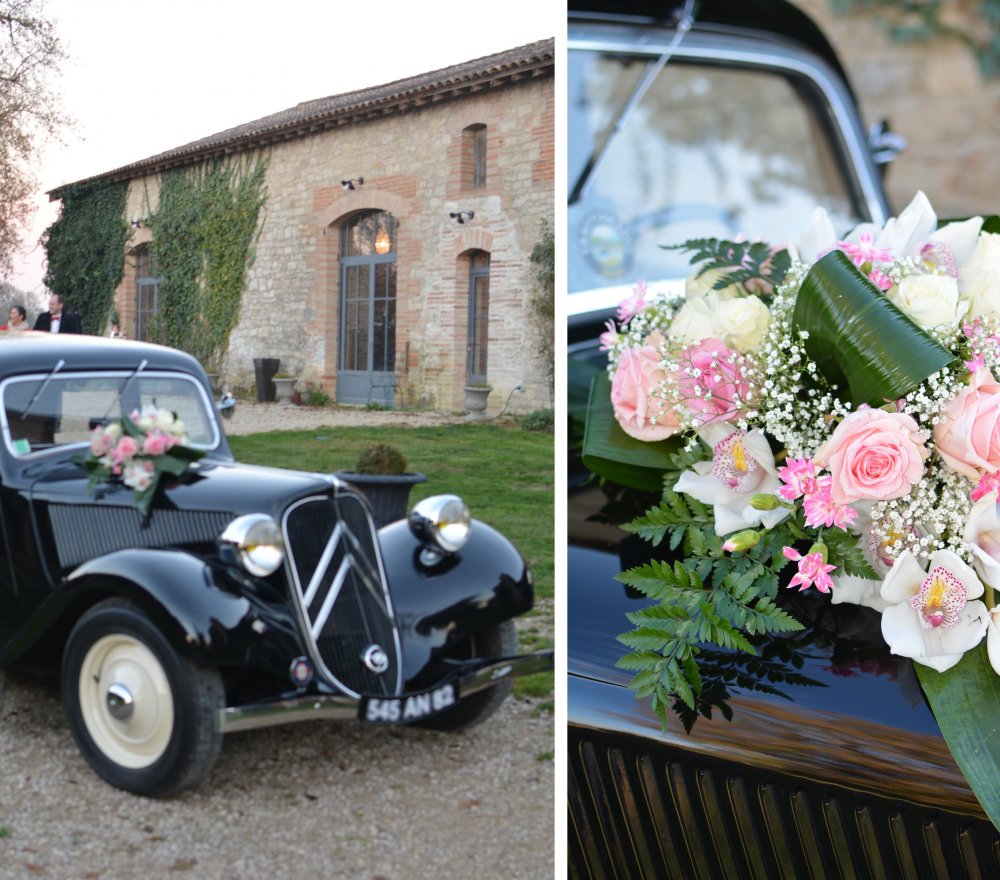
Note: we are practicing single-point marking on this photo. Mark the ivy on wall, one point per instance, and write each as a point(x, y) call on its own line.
point(85, 250)
point(543, 258)
point(204, 230)
point(977, 26)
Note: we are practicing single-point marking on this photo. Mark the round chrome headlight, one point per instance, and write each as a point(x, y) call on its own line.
point(442, 522)
point(258, 543)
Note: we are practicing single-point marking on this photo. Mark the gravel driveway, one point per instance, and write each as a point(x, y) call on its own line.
point(313, 800)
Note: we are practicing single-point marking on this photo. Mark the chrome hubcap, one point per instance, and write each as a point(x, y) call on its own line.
point(119, 700)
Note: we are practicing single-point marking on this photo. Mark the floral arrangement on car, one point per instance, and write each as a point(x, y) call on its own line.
point(831, 410)
point(137, 450)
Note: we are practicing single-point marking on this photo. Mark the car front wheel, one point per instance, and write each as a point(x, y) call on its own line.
point(141, 714)
point(498, 641)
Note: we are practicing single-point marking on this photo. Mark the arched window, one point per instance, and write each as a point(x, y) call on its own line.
point(367, 305)
point(474, 156)
point(147, 296)
point(479, 316)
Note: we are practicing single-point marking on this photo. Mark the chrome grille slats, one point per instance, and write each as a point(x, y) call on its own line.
point(86, 531)
point(640, 810)
point(340, 591)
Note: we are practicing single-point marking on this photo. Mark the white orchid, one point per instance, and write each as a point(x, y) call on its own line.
point(742, 466)
point(993, 639)
point(853, 590)
point(933, 617)
point(903, 236)
point(982, 534)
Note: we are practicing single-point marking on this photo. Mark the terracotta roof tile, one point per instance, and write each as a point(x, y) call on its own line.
point(533, 59)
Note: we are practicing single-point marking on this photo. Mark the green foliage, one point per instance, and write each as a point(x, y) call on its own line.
point(85, 250)
point(750, 264)
point(705, 598)
point(965, 701)
point(538, 420)
point(859, 338)
point(204, 230)
point(381, 458)
point(912, 22)
point(316, 397)
point(543, 258)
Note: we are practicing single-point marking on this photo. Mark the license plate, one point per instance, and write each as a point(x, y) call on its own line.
point(412, 707)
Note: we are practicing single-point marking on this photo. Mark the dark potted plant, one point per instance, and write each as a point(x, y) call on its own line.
point(380, 474)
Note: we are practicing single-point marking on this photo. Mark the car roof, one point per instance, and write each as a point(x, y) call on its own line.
point(767, 19)
point(32, 352)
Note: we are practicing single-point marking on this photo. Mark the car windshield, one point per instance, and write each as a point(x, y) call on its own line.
point(704, 151)
point(46, 411)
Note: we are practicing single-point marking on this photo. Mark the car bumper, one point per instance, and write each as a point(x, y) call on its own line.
point(471, 677)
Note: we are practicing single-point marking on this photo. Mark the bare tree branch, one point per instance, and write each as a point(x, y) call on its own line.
point(30, 113)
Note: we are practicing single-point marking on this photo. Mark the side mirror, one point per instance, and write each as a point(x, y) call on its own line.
point(885, 145)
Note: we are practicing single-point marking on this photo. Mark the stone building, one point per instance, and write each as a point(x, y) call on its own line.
point(392, 264)
point(933, 93)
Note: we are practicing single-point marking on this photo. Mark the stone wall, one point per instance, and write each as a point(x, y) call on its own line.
point(933, 94)
point(412, 165)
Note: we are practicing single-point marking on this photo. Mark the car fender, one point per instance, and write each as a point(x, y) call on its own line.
point(437, 606)
point(184, 597)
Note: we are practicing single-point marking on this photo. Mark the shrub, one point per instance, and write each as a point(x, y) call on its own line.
point(538, 420)
point(316, 397)
point(381, 458)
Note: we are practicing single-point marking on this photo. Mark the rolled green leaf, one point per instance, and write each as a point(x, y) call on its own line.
point(966, 703)
point(991, 224)
point(858, 338)
point(611, 453)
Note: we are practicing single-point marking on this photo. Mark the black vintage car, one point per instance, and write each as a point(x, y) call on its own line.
point(819, 757)
point(247, 596)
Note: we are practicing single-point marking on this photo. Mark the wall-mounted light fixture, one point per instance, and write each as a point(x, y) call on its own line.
point(138, 223)
point(462, 216)
point(349, 184)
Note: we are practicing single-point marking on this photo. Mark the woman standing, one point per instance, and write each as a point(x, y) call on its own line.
point(17, 319)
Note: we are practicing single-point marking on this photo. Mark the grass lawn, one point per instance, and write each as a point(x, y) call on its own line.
point(504, 474)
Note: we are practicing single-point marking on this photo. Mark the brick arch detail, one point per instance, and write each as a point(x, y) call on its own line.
point(473, 240)
point(352, 201)
point(325, 294)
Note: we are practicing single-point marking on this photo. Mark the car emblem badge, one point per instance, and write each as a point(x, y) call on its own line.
point(375, 659)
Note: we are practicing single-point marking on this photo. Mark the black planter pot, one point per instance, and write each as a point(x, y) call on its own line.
point(388, 494)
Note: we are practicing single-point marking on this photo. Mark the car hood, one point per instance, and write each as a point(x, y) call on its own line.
point(208, 485)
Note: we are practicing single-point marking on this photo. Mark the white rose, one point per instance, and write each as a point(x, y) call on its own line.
point(695, 320)
point(698, 286)
point(743, 322)
point(930, 300)
point(979, 278)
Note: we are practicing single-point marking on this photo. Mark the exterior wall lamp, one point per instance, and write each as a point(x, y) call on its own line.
point(349, 184)
point(461, 216)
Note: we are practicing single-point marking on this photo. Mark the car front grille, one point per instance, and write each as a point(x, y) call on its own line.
point(340, 590)
point(86, 531)
point(642, 810)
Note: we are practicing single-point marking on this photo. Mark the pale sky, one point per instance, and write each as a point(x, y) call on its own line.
point(148, 75)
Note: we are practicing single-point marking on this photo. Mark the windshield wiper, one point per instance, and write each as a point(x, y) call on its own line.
point(685, 19)
point(121, 391)
point(44, 385)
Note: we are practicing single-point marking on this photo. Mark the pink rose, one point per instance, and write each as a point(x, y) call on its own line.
point(637, 374)
point(155, 443)
point(126, 449)
point(968, 437)
point(712, 381)
point(874, 455)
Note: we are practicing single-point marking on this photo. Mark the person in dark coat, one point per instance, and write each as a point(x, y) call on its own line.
point(55, 320)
